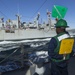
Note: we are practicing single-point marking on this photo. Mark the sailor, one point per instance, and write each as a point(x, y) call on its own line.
point(59, 64)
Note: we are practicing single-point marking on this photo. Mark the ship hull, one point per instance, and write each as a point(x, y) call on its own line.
point(25, 34)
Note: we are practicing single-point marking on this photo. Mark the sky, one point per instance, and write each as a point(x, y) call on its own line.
point(28, 9)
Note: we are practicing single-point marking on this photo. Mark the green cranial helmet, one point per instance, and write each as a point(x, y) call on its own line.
point(61, 23)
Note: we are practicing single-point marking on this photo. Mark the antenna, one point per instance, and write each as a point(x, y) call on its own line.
point(18, 8)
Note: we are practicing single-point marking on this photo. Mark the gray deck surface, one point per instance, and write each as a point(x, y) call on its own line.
point(71, 69)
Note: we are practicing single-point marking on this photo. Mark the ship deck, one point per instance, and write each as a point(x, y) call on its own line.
point(22, 71)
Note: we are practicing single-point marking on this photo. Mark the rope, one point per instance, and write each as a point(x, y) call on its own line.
point(9, 55)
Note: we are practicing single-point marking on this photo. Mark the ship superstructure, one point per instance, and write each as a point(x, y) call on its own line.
point(16, 30)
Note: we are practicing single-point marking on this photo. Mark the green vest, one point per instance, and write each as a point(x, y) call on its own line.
point(58, 38)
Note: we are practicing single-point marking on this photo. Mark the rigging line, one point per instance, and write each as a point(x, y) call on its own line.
point(5, 5)
point(18, 4)
point(3, 14)
point(39, 8)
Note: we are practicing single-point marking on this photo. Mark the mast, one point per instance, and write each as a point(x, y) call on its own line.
point(18, 16)
point(2, 21)
point(18, 20)
point(37, 20)
point(49, 19)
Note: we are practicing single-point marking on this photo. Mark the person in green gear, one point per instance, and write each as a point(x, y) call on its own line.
point(61, 25)
point(58, 65)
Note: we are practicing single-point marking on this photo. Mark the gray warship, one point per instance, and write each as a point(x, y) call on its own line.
point(17, 30)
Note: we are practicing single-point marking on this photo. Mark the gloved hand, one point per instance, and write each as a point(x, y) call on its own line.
point(74, 54)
